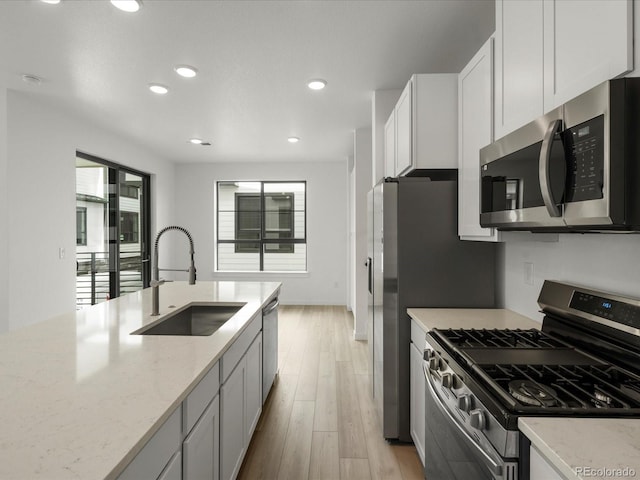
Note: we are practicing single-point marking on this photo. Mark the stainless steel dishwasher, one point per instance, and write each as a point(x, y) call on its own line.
point(269, 346)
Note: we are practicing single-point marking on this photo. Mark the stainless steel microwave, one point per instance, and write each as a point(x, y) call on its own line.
point(577, 168)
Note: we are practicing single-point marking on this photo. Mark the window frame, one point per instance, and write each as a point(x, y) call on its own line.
point(288, 243)
point(81, 233)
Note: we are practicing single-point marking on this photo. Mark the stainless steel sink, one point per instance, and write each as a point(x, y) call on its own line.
point(197, 320)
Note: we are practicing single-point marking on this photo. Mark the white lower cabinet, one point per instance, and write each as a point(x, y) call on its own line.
point(232, 422)
point(157, 459)
point(201, 447)
point(207, 436)
point(240, 408)
point(540, 469)
point(418, 386)
point(173, 470)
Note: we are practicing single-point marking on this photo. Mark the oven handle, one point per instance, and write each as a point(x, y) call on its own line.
point(544, 168)
point(494, 466)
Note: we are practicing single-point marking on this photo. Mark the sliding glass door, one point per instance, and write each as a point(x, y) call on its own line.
point(112, 230)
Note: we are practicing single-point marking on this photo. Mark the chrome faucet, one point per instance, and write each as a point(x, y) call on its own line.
point(155, 277)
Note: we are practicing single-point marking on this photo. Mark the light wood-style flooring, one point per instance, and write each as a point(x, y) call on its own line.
point(320, 421)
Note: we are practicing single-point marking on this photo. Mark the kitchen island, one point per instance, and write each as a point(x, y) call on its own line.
point(81, 396)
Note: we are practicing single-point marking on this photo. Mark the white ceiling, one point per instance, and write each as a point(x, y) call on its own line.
point(254, 59)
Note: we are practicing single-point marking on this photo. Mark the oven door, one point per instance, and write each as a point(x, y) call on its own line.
point(451, 453)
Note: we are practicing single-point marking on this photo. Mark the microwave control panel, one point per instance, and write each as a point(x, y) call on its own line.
point(584, 146)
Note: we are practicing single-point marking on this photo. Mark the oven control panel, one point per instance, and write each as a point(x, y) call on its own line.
point(607, 308)
point(446, 385)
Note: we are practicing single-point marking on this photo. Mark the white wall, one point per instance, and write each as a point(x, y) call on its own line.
point(609, 262)
point(42, 143)
point(4, 226)
point(325, 281)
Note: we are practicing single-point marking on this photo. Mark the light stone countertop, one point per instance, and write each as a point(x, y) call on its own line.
point(587, 448)
point(429, 318)
point(80, 396)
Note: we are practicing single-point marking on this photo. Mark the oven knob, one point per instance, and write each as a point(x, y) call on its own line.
point(434, 364)
point(447, 380)
point(465, 402)
point(427, 354)
point(477, 419)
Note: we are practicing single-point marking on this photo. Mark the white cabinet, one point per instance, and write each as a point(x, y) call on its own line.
point(173, 470)
point(390, 146)
point(232, 446)
point(201, 447)
point(240, 398)
point(253, 399)
point(425, 125)
point(418, 386)
point(539, 468)
point(586, 42)
point(550, 51)
point(475, 120)
point(404, 136)
point(518, 64)
point(157, 458)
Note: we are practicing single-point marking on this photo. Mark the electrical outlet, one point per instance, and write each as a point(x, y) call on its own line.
point(528, 273)
point(61, 253)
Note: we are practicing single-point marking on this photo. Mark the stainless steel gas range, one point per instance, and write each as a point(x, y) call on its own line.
point(585, 362)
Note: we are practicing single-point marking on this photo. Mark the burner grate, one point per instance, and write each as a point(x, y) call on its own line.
point(580, 387)
point(500, 338)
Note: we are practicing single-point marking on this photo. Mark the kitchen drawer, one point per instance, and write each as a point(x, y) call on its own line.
point(200, 397)
point(418, 335)
point(235, 353)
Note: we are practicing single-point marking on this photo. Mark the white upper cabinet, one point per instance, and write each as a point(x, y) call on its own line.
point(475, 120)
point(426, 124)
point(390, 146)
point(550, 51)
point(586, 42)
point(518, 57)
point(404, 136)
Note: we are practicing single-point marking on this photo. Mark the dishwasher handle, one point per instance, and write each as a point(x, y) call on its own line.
point(271, 307)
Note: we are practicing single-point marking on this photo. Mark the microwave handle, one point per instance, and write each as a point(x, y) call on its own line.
point(545, 159)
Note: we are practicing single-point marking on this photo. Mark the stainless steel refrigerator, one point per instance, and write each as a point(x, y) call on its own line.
point(416, 260)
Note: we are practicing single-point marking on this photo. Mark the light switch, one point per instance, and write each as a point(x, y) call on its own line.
point(61, 253)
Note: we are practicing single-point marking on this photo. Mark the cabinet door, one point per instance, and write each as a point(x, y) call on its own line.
point(586, 42)
point(417, 400)
point(253, 401)
point(404, 137)
point(232, 416)
point(540, 469)
point(519, 74)
point(390, 146)
point(173, 470)
point(475, 120)
point(201, 448)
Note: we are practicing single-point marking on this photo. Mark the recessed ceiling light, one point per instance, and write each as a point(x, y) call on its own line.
point(186, 71)
point(157, 88)
point(293, 139)
point(317, 84)
point(196, 141)
point(31, 79)
point(51, 2)
point(127, 5)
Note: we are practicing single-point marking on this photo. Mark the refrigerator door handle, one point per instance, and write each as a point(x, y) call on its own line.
point(369, 265)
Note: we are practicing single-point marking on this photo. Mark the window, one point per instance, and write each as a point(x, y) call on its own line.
point(129, 227)
point(81, 225)
point(261, 226)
